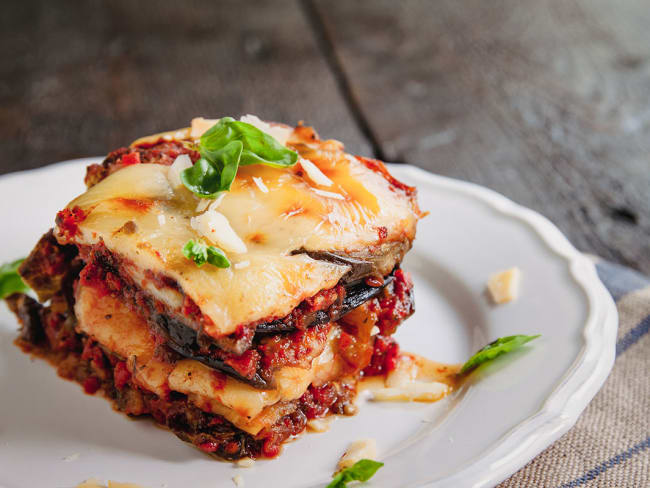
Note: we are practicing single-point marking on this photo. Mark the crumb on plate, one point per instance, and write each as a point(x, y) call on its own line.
point(319, 425)
point(504, 285)
point(245, 462)
point(358, 450)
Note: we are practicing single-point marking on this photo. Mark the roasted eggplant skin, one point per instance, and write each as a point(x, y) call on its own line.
point(185, 341)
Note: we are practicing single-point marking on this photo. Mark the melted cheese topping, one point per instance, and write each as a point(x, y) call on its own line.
point(415, 379)
point(290, 215)
point(110, 323)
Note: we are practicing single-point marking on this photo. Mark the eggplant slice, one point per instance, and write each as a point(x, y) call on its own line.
point(377, 261)
point(185, 340)
point(355, 295)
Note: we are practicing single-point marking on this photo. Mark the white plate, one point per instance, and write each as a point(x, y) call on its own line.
point(500, 421)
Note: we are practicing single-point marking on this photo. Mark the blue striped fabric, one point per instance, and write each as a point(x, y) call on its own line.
point(610, 463)
point(620, 281)
point(633, 336)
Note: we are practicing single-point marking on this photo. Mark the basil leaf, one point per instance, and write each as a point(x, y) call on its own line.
point(496, 348)
point(196, 252)
point(202, 179)
point(261, 148)
point(258, 147)
point(201, 253)
point(230, 157)
point(224, 147)
point(10, 280)
point(362, 470)
point(206, 179)
point(216, 257)
point(216, 137)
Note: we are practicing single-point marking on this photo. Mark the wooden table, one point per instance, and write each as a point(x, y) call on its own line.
point(545, 101)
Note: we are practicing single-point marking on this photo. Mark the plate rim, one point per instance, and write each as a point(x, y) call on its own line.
point(561, 409)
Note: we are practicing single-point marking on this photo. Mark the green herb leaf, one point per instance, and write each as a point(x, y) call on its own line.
point(216, 257)
point(10, 280)
point(201, 253)
point(362, 470)
point(496, 348)
point(216, 137)
point(224, 147)
point(261, 148)
point(202, 179)
point(207, 179)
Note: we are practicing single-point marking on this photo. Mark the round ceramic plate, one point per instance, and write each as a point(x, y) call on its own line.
point(51, 434)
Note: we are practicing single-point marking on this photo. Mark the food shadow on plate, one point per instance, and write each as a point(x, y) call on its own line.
point(444, 299)
point(39, 408)
point(504, 362)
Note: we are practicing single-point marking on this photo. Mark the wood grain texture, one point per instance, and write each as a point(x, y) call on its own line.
point(545, 101)
point(82, 78)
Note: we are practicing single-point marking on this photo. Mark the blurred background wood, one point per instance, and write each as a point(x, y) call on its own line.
point(82, 78)
point(545, 101)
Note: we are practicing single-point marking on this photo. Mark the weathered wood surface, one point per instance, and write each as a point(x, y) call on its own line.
point(82, 78)
point(546, 101)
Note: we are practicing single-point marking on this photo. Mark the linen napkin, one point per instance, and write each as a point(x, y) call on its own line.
point(610, 444)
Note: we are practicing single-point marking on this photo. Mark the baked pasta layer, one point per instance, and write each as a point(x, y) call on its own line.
point(299, 237)
point(234, 359)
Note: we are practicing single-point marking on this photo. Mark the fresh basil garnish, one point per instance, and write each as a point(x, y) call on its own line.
point(10, 280)
point(206, 179)
point(224, 147)
point(496, 348)
point(360, 471)
point(201, 253)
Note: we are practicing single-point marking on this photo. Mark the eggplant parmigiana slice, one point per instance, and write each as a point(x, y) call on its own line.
point(237, 355)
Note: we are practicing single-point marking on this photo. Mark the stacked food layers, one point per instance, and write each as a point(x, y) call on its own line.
point(232, 280)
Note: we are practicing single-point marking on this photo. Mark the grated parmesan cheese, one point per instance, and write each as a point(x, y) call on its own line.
point(374, 331)
point(358, 450)
point(319, 425)
point(95, 483)
point(238, 480)
point(91, 483)
point(180, 164)
point(418, 391)
point(200, 126)
point(217, 201)
point(245, 463)
point(260, 184)
point(242, 264)
point(314, 173)
point(161, 219)
point(203, 204)
point(215, 227)
point(278, 132)
point(328, 194)
point(117, 484)
point(504, 285)
point(72, 457)
point(403, 375)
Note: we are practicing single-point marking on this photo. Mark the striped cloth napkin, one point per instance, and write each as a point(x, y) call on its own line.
point(610, 444)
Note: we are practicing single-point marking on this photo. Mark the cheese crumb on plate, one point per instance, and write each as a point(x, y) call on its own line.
point(418, 391)
point(245, 462)
point(358, 450)
point(504, 285)
point(320, 425)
